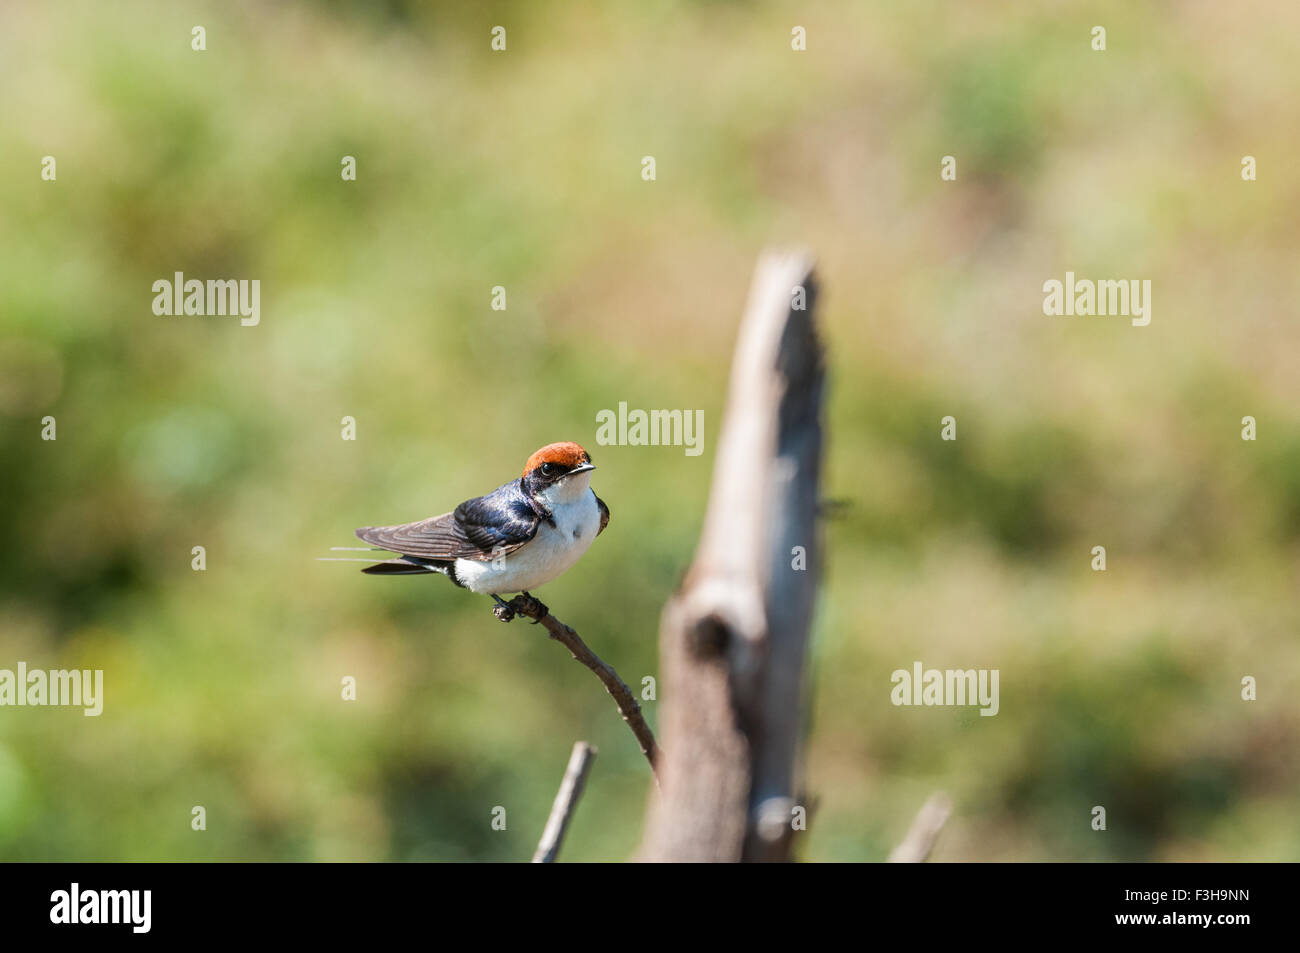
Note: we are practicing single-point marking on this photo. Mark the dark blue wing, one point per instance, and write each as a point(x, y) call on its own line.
point(482, 528)
point(503, 519)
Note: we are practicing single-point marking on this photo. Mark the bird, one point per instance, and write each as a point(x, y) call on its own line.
point(518, 537)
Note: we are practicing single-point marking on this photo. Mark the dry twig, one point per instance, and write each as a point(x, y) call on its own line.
point(566, 799)
point(929, 821)
point(628, 707)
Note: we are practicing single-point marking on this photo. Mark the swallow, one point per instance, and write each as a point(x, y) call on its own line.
point(518, 537)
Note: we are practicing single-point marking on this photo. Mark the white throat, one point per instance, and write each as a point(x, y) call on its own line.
point(569, 490)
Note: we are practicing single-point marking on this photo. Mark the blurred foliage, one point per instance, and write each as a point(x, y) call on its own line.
point(522, 169)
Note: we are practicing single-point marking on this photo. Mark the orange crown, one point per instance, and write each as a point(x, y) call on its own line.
point(566, 454)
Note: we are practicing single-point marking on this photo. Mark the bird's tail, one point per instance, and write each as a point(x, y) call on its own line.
point(398, 566)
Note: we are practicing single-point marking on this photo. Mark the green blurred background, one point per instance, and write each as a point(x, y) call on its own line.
point(522, 169)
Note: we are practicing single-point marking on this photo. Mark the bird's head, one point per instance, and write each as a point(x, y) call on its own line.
point(558, 473)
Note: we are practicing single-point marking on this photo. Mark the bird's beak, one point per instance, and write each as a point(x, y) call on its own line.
point(581, 468)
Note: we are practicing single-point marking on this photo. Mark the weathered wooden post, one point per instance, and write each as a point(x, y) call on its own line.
point(733, 638)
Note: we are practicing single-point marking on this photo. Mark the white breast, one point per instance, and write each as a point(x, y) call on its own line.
point(552, 551)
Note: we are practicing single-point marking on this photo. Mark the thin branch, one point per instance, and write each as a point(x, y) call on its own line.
point(628, 707)
point(929, 821)
point(566, 799)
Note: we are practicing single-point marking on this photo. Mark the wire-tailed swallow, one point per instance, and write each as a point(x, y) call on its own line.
point(518, 537)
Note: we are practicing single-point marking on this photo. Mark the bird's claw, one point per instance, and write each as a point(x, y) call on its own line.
point(503, 610)
point(525, 603)
point(541, 611)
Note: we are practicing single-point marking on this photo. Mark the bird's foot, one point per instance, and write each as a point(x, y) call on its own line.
point(525, 604)
point(535, 608)
point(503, 610)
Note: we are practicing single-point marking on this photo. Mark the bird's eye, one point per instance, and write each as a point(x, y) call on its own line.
point(548, 469)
